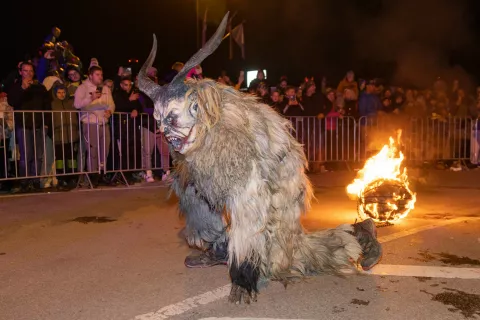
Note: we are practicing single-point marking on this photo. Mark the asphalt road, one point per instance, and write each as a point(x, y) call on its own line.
point(130, 266)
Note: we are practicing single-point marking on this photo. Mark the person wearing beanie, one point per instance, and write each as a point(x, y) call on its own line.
point(152, 72)
point(66, 136)
point(93, 62)
point(74, 76)
point(176, 67)
point(49, 81)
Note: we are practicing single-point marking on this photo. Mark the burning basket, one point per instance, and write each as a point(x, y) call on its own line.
point(385, 200)
point(381, 187)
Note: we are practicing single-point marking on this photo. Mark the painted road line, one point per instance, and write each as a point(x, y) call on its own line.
point(425, 271)
point(187, 304)
point(248, 319)
point(223, 292)
point(406, 233)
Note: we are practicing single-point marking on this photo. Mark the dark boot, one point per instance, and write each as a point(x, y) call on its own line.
point(63, 184)
point(366, 235)
point(216, 255)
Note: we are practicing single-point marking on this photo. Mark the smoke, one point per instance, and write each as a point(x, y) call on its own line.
point(418, 36)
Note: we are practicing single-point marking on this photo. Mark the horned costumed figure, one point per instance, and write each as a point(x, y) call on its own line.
point(241, 183)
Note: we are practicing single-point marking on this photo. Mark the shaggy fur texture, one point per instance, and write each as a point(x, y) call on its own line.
point(246, 173)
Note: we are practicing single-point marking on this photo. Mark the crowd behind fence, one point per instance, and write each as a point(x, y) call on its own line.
point(53, 144)
point(354, 140)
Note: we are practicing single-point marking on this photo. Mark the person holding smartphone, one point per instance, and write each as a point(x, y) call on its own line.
point(96, 103)
point(291, 107)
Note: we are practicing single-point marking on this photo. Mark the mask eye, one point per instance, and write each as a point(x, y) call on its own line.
point(193, 109)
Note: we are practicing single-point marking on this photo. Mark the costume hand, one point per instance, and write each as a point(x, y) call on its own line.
point(108, 114)
point(134, 114)
point(320, 116)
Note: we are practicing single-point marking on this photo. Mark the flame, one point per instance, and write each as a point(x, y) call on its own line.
point(383, 173)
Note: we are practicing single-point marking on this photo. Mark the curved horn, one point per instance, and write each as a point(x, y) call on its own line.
point(204, 52)
point(150, 88)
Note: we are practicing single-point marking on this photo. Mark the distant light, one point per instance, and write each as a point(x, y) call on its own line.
point(251, 75)
point(129, 60)
point(136, 61)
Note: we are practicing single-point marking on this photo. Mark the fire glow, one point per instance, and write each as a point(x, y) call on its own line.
point(382, 187)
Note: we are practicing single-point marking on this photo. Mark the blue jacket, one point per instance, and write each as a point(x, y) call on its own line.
point(369, 104)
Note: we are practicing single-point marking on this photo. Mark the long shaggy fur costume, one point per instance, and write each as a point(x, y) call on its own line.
point(246, 173)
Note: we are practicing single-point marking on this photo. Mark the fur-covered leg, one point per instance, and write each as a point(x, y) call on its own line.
point(245, 278)
point(294, 254)
point(204, 226)
point(247, 240)
point(205, 229)
point(328, 251)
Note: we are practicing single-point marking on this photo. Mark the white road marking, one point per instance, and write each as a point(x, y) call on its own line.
point(392, 270)
point(187, 304)
point(406, 233)
point(4, 196)
point(248, 319)
point(425, 271)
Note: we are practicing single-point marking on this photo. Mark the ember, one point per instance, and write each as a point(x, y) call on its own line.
point(381, 187)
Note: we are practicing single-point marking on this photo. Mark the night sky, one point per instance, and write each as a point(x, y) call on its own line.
point(407, 42)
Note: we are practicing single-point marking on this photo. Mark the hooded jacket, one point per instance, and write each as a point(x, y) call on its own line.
point(65, 124)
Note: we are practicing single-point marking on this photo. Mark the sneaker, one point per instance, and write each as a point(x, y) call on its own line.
point(204, 260)
point(366, 234)
point(149, 176)
point(165, 175)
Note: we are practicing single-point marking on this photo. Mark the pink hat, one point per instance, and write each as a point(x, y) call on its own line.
point(151, 72)
point(93, 62)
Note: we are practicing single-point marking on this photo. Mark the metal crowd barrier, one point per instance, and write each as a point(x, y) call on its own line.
point(49, 145)
point(345, 139)
point(328, 139)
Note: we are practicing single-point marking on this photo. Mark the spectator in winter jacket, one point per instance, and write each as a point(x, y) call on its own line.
point(348, 83)
point(290, 105)
point(96, 103)
point(311, 100)
point(275, 101)
point(369, 103)
point(263, 92)
point(74, 79)
point(151, 138)
point(6, 128)
point(126, 123)
point(65, 135)
point(30, 127)
point(348, 89)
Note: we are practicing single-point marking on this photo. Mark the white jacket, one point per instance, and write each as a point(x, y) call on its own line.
point(94, 110)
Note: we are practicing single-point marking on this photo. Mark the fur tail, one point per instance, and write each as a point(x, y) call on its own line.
point(326, 252)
